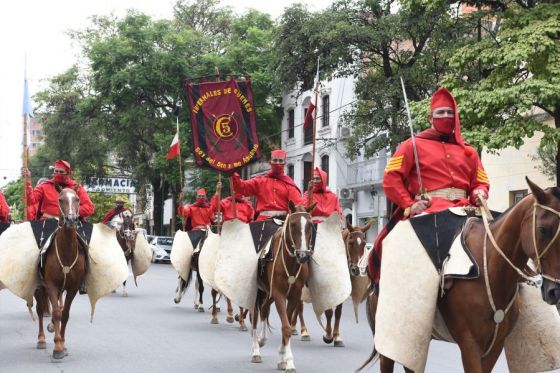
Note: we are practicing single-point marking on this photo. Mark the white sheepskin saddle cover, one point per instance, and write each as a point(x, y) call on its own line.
point(142, 257)
point(181, 254)
point(207, 259)
point(236, 265)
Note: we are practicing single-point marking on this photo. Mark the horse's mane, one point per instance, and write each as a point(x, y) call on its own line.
point(556, 192)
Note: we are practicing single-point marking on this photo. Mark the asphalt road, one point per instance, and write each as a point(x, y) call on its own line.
point(147, 332)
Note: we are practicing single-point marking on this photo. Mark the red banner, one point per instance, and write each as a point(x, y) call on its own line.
point(224, 127)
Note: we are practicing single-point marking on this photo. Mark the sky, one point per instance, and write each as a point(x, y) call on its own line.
point(34, 42)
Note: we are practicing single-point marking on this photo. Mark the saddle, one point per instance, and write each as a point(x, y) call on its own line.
point(197, 240)
point(44, 229)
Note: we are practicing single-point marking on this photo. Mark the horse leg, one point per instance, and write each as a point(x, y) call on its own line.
point(471, 355)
point(265, 313)
point(490, 360)
point(285, 356)
point(229, 317)
point(336, 334)
point(70, 294)
point(40, 297)
point(255, 353)
point(241, 318)
point(58, 351)
point(328, 338)
point(214, 312)
point(293, 322)
point(200, 287)
point(124, 292)
point(304, 333)
point(386, 365)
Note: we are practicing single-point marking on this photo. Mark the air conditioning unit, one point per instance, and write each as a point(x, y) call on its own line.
point(344, 132)
point(346, 193)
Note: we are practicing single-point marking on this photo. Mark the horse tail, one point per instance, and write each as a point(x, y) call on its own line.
point(370, 312)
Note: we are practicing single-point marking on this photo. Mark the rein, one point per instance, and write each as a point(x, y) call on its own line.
point(65, 269)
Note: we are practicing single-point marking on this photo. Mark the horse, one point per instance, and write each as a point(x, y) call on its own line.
point(126, 237)
point(283, 280)
point(183, 285)
point(64, 269)
point(355, 243)
point(473, 309)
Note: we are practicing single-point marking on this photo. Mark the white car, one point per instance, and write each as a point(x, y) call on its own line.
point(161, 249)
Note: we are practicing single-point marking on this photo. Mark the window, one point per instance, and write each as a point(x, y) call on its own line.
point(307, 132)
point(291, 171)
point(516, 196)
point(325, 165)
point(291, 123)
point(306, 175)
point(326, 111)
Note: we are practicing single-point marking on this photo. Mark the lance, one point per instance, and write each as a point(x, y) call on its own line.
point(413, 138)
point(317, 86)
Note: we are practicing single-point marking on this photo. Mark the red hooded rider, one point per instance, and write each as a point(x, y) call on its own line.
point(4, 209)
point(115, 211)
point(199, 215)
point(245, 211)
point(45, 195)
point(451, 171)
point(327, 201)
point(272, 191)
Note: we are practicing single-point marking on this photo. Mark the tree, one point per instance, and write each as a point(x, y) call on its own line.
point(13, 192)
point(521, 71)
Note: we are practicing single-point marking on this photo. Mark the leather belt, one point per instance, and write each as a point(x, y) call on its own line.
point(273, 213)
point(201, 227)
point(448, 193)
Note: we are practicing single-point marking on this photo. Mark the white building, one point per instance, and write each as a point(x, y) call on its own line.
point(357, 183)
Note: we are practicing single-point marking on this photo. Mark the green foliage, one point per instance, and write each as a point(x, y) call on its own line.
point(546, 158)
point(13, 192)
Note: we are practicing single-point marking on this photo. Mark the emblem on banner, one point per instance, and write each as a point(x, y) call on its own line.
point(225, 127)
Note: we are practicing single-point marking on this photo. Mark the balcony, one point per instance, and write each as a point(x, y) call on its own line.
point(362, 175)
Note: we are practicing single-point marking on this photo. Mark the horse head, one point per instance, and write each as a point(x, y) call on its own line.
point(127, 227)
point(540, 239)
point(298, 232)
point(69, 204)
point(355, 243)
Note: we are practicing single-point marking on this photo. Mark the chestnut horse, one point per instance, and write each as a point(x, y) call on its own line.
point(283, 280)
point(502, 249)
point(355, 243)
point(126, 236)
point(64, 269)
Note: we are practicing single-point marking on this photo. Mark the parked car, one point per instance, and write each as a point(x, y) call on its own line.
point(161, 248)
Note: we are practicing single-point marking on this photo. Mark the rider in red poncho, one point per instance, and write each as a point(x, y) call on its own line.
point(115, 211)
point(272, 191)
point(451, 171)
point(46, 194)
point(199, 215)
point(327, 201)
point(245, 211)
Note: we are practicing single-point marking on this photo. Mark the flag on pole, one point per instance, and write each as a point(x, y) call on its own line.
point(26, 101)
point(309, 116)
point(173, 148)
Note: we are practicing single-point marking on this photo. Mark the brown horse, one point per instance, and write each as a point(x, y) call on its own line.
point(472, 309)
point(284, 278)
point(126, 236)
point(355, 243)
point(64, 269)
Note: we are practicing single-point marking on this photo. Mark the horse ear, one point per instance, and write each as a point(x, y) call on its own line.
point(366, 227)
point(349, 226)
point(291, 206)
point(538, 193)
point(310, 208)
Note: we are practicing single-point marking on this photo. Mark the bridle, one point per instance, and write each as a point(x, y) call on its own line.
point(362, 260)
point(127, 235)
point(531, 280)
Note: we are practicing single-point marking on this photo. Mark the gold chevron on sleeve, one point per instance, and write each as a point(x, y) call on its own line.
point(394, 164)
point(481, 176)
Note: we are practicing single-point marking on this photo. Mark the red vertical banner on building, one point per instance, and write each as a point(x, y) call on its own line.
point(224, 127)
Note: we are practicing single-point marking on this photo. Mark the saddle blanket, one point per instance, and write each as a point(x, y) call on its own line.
point(43, 230)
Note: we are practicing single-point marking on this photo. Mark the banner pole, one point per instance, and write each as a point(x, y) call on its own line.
point(220, 204)
point(317, 86)
point(234, 203)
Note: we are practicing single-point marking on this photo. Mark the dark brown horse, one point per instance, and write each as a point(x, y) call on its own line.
point(64, 269)
point(529, 230)
point(284, 278)
point(355, 243)
point(126, 236)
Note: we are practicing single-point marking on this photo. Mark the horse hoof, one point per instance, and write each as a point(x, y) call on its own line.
point(243, 328)
point(306, 338)
point(293, 370)
point(214, 321)
point(176, 301)
point(125, 295)
point(229, 319)
point(328, 340)
point(281, 365)
point(256, 359)
point(50, 327)
point(200, 308)
point(59, 354)
point(294, 332)
point(41, 345)
point(196, 306)
point(236, 317)
point(338, 344)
